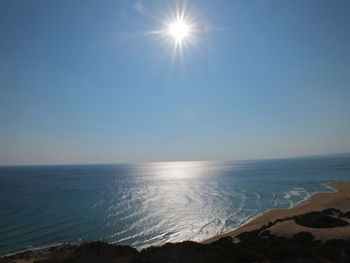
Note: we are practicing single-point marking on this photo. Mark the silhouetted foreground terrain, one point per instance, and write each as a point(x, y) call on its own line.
point(254, 246)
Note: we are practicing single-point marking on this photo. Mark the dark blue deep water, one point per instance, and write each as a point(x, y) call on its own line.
point(152, 203)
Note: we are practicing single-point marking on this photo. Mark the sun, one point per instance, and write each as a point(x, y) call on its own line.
point(179, 30)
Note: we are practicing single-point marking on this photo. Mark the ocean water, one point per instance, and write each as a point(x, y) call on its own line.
point(151, 203)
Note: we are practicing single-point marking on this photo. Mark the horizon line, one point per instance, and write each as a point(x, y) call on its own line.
point(338, 154)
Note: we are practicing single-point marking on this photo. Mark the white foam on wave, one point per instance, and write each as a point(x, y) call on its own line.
point(330, 187)
point(286, 196)
point(294, 193)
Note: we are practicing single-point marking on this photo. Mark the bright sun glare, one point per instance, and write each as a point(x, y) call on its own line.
point(179, 30)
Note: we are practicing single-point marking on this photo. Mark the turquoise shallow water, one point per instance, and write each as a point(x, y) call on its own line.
point(152, 203)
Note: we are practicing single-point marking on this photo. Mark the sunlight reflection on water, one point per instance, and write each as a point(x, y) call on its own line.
point(152, 203)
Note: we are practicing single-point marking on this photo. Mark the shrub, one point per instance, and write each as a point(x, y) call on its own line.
point(265, 233)
point(303, 238)
point(249, 235)
point(336, 243)
point(319, 220)
point(226, 242)
point(347, 214)
point(332, 212)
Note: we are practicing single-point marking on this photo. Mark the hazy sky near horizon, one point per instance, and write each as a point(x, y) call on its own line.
point(95, 82)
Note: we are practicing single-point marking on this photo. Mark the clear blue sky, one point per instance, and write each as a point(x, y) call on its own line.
point(88, 81)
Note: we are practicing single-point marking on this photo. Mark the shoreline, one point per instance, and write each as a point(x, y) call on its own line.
point(339, 199)
point(255, 217)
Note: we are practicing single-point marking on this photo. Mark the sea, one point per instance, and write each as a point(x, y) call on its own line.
point(151, 203)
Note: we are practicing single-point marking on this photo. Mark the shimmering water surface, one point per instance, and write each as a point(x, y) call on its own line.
point(152, 203)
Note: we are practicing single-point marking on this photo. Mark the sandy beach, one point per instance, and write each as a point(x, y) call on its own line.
point(339, 200)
